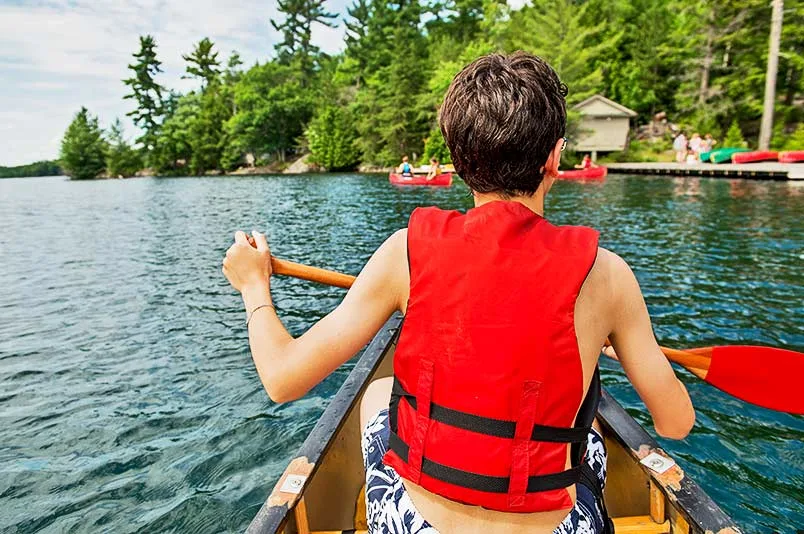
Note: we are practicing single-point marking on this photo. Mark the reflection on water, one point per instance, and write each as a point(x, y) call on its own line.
point(129, 401)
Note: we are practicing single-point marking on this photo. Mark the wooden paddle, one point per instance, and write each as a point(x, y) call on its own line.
point(765, 376)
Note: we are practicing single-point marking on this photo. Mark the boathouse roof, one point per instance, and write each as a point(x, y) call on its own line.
point(600, 106)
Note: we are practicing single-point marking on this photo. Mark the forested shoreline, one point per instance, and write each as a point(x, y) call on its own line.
point(38, 168)
point(702, 64)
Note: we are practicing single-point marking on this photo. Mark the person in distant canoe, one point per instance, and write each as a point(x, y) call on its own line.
point(435, 169)
point(488, 423)
point(586, 163)
point(405, 169)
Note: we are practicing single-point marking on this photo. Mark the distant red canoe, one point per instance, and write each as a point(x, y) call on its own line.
point(753, 157)
point(443, 179)
point(592, 173)
point(791, 156)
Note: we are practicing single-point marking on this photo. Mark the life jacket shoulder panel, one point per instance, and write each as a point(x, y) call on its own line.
point(488, 377)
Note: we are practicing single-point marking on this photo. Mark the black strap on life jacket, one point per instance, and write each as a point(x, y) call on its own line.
point(576, 436)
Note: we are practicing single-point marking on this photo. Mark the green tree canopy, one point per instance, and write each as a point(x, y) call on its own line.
point(331, 137)
point(83, 148)
point(273, 108)
point(703, 63)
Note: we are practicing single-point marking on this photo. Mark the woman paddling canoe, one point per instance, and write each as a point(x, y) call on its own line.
point(487, 424)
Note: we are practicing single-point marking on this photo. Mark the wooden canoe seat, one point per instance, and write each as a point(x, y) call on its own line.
point(641, 524)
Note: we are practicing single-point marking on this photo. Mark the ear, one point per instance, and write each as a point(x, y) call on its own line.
point(551, 167)
point(554, 160)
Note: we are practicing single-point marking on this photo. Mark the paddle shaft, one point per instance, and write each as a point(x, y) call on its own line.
point(695, 363)
point(312, 274)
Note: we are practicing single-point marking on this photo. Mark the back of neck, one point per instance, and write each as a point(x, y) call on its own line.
point(534, 203)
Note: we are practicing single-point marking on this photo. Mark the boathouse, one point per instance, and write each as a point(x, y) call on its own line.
point(604, 125)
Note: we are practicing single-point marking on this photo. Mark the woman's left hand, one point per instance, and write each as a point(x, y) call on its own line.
point(248, 266)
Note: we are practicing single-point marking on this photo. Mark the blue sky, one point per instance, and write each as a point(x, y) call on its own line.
point(57, 55)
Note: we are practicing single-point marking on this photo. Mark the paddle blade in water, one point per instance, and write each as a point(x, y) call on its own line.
point(764, 376)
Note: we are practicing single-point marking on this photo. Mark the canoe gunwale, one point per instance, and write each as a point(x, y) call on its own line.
point(273, 514)
point(688, 499)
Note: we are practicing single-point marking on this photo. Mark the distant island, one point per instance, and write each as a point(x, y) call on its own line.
point(38, 168)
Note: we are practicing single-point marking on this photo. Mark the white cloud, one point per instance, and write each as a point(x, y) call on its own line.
point(57, 55)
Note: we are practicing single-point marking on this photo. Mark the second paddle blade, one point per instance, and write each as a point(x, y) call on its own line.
point(765, 376)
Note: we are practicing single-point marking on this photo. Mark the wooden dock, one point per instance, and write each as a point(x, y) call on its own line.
point(752, 171)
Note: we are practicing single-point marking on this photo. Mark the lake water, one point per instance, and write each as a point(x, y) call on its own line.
point(128, 400)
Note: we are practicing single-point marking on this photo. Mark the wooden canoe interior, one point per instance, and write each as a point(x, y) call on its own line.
point(334, 500)
point(329, 476)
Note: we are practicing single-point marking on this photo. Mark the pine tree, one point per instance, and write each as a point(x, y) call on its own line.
point(389, 120)
point(233, 71)
point(121, 159)
point(83, 148)
point(796, 139)
point(296, 45)
point(203, 62)
point(637, 71)
point(564, 35)
point(173, 151)
point(207, 133)
point(358, 49)
point(734, 137)
point(331, 137)
point(146, 92)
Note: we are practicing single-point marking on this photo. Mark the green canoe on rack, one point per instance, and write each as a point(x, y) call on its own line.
point(723, 155)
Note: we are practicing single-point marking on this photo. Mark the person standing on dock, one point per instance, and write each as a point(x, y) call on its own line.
point(695, 144)
point(708, 143)
point(680, 146)
point(488, 423)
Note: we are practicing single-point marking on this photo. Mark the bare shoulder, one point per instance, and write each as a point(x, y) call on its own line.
point(609, 270)
point(611, 263)
point(387, 270)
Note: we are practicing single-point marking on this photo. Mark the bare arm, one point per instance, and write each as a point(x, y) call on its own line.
point(289, 367)
point(644, 363)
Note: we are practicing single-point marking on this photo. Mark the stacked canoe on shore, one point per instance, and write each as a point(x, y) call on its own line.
point(744, 155)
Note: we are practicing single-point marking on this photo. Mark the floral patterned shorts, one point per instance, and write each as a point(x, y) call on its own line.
point(389, 509)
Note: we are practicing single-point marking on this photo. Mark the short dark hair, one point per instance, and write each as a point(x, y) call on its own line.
point(501, 118)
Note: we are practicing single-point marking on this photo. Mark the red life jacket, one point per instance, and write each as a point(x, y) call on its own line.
point(487, 372)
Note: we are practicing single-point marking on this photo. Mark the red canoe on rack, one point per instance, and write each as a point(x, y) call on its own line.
point(443, 179)
point(791, 156)
point(592, 173)
point(753, 157)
